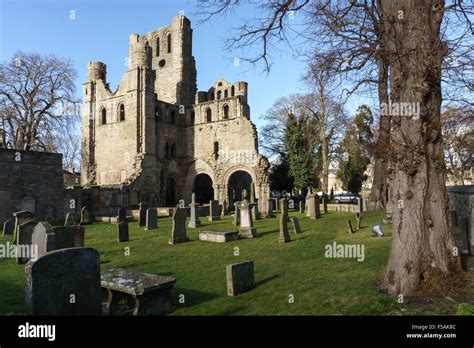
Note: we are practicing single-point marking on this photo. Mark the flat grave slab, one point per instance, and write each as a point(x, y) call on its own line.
point(218, 236)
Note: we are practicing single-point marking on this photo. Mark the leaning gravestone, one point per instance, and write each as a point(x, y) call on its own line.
point(214, 210)
point(64, 282)
point(296, 225)
point(122, 231)
point(151, 219)
point(8, 227)
point(178, 233)
point(85, 216)
point(121, 215)
point(20, 218)
point(43, 238)
point(284, 236)
point(240, 278)
point(69, 237)
point(194, 220)
point(349, 227)
point(70, 219)
point(25, 248)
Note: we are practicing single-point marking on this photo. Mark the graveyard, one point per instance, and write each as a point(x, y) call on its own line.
point(293, 278)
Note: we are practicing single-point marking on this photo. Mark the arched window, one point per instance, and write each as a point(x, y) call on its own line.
point(157, 47)
point(169, 42)
point(173, 117)
point(193, 116)
point(226, 111)
point(122, 112)
point(103, 119)
point(216, 150)
point(173, 151)
point(219, 94)
point(208, 115)
point(167, 150)
point(226, 93)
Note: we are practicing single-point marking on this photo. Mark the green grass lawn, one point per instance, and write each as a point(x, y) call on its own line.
point(319, 285)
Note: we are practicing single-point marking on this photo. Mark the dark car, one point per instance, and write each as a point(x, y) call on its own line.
point(345, 198)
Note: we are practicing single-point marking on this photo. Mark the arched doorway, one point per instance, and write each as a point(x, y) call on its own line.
point(238, 181)
point(203, 188)
point(171, 193)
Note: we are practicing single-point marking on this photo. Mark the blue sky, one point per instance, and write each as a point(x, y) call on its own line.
point(99, 32)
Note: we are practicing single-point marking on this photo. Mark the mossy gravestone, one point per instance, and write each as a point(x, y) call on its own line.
point(240, 277)
point(64, 282)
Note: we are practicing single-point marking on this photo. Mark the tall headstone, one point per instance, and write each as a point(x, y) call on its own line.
point(121, 215)
point(325, 205)
point(349, 227)
point(307, 202)
point(20, 218)
point(247, 229)
point(55, 277)
point(122, 231)
point(311, 203)
point(284, 236)
point(253, 201)
point(43, 238)
point(317, 205)
point(194, 220)
point(85, 216)
point(224, 208)
point(142, 214)
point(270, 213)
point(70, 219)
point(360, 205)
point(178, 233)
point(8, 227)
point(301, 207)
point(69, 237)
point(236, 221)
point(214, 210)
point(25, 248)
point(296, 225)
point(151, 219)
point(240, 278)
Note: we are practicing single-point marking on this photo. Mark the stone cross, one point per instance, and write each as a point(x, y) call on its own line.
point(178, 232)
point(194, 213)
point(151, 219)
point(284, 236)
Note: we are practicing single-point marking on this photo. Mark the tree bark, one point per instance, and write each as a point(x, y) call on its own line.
point(422, 251)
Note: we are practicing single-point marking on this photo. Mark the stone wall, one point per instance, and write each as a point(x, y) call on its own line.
point(31, 181)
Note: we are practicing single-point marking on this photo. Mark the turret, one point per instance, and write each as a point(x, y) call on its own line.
point(241, 89)
point(96, 71)
point(139, 52)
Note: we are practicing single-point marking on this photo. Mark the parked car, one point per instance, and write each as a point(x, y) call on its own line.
point(345, 198)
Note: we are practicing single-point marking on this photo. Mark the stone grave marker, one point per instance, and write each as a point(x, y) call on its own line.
point(253, 202)
point(121, 215)
point(301, 207)
point(142, 214)
point(214, 210)
point(349, 227)
point(377, 231)
point(20, 218)
point(8, 227)
point(247, 229)
point(236, 221)
point(178, 233)
point(218, 236)
point(43, 238)
point(224, 208)
point(70, 219)
point(318, 206)
point(325, 205)
point(85, 216)
point(269, 213)
point(151, 219)
point(64, 282)
point(194, 220)
point(69, 237)
point(296, 225)
point(240, 278)
point(122, 231)
point(24, 242)
point(284, 236)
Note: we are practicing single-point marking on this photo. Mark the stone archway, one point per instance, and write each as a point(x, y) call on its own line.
point(203, 188)
point(238, 181)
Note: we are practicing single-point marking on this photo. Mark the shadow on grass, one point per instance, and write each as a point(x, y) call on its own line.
point(191, 297)
point(266, 280)
point(261, 234)
point(232, 311)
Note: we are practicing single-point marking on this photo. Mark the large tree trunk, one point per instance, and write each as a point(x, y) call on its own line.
point(422, 246)
point(378, 194)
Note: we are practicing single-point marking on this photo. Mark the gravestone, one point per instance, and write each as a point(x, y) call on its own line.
point(24, 242)
point(142, 214)
point(307, 202)
point(8, 227)
point(246, 230)
point(85, 216)
point(64, 282)
point(325, 205)
point(269, 213)
point(178, 233)
point(377, 231)
point(296, 225)
point(224, 208)
point(301, 207)
point(218, 236)
point(69, 237)
point(20, 218)
point(214, 210)
point(240, 278)
point(236, 221)
point(349, 227)
point(194, 220)
point(284, 236)
point(122, 231)
point(360, 204)
point(318, 206)
point(313, 207)
point(253, 202)
point(151, 219)
point(43, 238)
point(121, 215)
point(70, 219)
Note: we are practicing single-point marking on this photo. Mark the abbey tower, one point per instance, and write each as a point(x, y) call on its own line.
point(159, 137)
